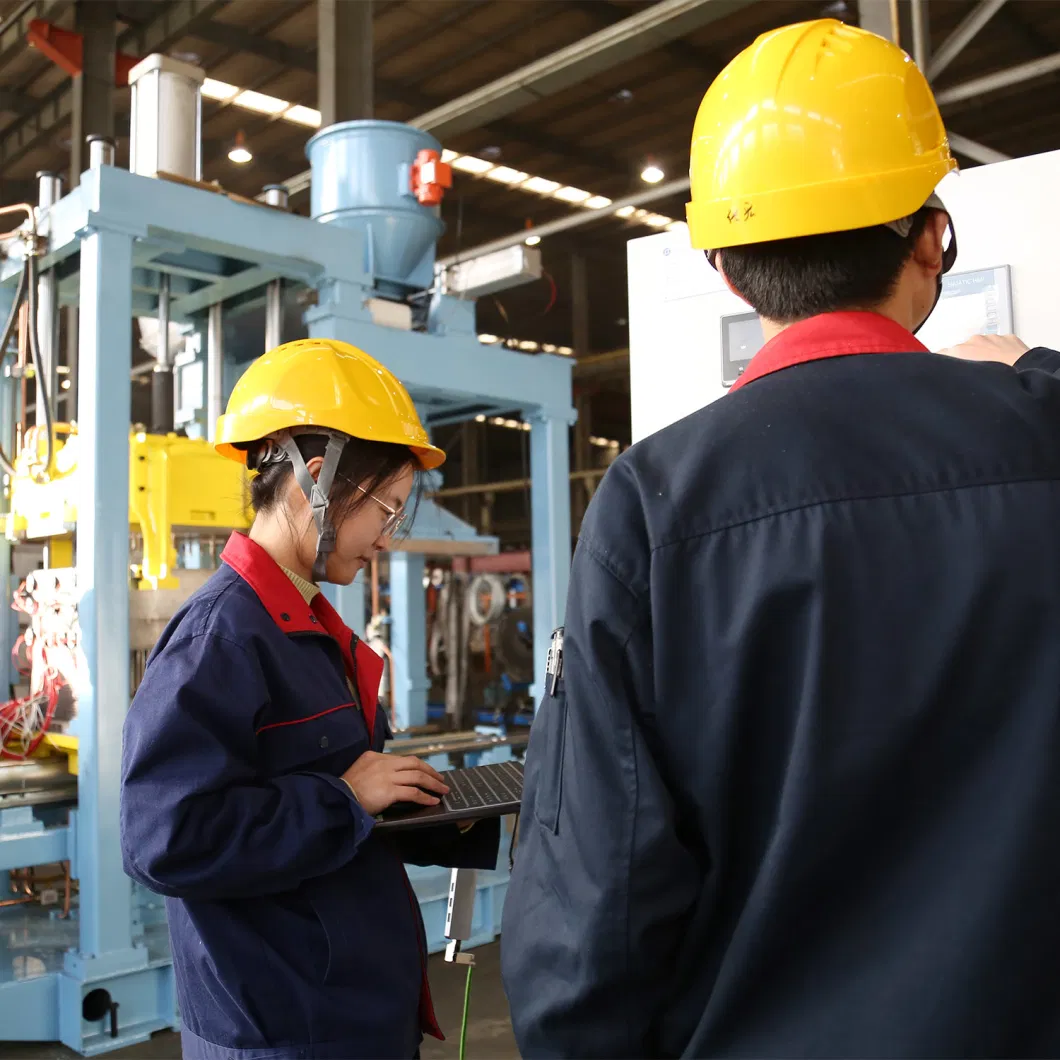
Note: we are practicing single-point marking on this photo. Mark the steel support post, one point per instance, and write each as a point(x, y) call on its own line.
point(408, 639)
point(344, 60)
point(215, 368)
point(92, 110)
point(550, 504)
point(104, 398)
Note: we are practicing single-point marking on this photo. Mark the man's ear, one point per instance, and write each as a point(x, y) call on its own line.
point(719, 264)
point(928, 251)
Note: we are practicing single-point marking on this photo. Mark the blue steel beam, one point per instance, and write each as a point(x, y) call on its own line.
point(104, 364)
point(550, 530)
point(408, 640)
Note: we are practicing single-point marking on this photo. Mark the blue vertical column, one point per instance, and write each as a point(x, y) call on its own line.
point(104, 394)
point(408, 639)
point(550, 526)
point(349, 601)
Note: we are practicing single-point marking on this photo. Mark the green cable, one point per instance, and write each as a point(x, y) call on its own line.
point(467, 1006)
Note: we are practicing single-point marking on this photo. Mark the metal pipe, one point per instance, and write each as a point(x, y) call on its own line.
point(101, 151)
point(49, 193)
point(921, 34)
point(214, 369)
point(1013, 75)
point(275, 195)
point(162, 403)
point(583, 217)
point(962, 36)
point(35, 775)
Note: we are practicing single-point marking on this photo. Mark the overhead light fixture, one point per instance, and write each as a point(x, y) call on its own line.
point(651, 174)
point(531, 240)
point(258, 101)
point(575, 195)
point(240, 153)
point(471, 164)
point(303, 116)
point(597, 202)
point(540, 186)
point(506, 175)
point(219, 90)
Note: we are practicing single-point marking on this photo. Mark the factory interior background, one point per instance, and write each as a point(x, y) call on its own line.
point(181, 228)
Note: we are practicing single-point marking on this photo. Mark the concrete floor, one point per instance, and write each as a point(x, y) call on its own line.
point(489, 1033)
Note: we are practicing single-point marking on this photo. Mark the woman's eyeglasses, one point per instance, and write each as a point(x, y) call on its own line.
point(395, 516)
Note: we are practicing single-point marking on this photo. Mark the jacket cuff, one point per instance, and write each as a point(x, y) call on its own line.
point(1041, 359)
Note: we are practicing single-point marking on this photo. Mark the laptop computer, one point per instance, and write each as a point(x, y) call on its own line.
point(481, 791)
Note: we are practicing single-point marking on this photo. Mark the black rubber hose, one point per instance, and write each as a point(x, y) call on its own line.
point(43, 397)
point(9, 328)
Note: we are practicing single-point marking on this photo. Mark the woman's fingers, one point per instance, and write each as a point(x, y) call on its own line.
point(412, 777)
point(410, 794)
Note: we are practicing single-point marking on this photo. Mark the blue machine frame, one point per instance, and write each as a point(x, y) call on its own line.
point(110, 240)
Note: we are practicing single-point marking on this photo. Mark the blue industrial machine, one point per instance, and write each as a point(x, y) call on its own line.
point(96, 975)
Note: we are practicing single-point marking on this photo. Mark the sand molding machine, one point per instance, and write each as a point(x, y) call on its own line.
point(110, 524)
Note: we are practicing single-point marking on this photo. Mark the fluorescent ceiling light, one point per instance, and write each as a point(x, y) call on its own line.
point(258, 101)
point(575, 195)
point(303, 116)
point(212, 89)
point(506, 175)
point(488, 340)
point(597, 202)
point(448, 156)
point(540, 186)
point(656, 220)
point(626, 211)
point(471, 164)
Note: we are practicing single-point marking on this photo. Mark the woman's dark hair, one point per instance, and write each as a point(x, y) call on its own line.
point(793, 279)
point(371, 465)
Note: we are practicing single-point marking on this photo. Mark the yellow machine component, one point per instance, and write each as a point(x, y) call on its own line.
point(174, 483)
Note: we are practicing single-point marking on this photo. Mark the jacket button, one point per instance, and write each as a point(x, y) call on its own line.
point(285, 616)
point(323, 741)
point(313, 619)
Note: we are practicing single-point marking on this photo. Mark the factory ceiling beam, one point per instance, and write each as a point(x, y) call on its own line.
point(575, 220)
point(1014, 75)
point(175, 20)
point(962, 36)
point(976, 151)
point(238, 39)
point(15, 29)
point(921, 33)
point(643, 32)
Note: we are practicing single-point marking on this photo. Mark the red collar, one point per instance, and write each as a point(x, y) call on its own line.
point(288, 609)
point(829, 335)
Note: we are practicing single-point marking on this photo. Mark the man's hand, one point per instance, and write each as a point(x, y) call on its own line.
point(1007, 349)
point(378, 781)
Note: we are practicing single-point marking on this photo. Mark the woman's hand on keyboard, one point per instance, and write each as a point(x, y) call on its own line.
point(378, 781)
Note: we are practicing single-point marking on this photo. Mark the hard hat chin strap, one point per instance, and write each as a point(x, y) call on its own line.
point(317, 491)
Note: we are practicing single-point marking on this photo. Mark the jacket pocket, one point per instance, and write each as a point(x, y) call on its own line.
point(544, 759)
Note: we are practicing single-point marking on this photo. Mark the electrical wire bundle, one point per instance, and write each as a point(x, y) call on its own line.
point(27, 292)
point(25, 720)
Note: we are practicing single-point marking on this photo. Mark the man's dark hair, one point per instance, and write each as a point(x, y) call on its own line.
point(793, 279)
point(371, 465)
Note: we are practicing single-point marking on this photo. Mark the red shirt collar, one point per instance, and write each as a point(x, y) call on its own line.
point(288, 609)
point(829, 335)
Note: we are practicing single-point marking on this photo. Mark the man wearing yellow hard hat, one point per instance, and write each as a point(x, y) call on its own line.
point(253, 770)
point(794, 788)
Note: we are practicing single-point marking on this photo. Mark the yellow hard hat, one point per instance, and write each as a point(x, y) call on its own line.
point(327, 384)
point(816, 127)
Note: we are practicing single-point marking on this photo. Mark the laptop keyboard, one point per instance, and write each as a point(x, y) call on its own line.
point(483, 786)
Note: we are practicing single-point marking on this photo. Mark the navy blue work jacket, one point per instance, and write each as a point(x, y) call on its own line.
point(798, 794)
point(294, 929)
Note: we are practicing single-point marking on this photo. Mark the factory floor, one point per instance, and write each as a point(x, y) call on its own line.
point(489, 1034)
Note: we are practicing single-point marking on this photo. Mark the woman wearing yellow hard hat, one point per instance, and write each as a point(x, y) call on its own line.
point(252, 770)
